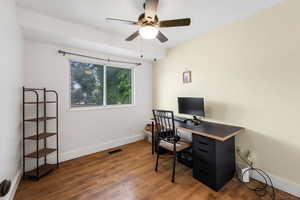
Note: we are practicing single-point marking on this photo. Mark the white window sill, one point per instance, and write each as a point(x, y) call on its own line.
point(74, 109)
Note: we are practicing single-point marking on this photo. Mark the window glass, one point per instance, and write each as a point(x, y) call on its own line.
point(118, 86)
point(87, 84)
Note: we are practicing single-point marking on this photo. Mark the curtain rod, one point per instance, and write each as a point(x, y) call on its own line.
point(102, 59)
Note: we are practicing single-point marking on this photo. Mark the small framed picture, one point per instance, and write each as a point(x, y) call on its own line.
point(187, 77)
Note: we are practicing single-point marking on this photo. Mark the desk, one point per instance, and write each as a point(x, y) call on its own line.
point(217, 131)
point(213, 152)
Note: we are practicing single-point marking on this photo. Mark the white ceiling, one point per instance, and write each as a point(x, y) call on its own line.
point(206, 15)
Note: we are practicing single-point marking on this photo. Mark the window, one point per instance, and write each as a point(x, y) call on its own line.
point(100, 85)
point(118, 84)
point(87, 84)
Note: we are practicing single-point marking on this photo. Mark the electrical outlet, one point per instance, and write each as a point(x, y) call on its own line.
point(245, 155)
point(251, 158)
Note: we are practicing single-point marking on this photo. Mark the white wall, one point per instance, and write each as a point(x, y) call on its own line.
point(83, 132)
point(49, 29)
point(11, 77)
point(248, 73)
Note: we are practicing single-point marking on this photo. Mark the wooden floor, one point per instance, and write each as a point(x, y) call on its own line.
point(128, 175)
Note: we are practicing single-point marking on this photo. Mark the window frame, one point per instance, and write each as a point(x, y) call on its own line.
point(105, 65)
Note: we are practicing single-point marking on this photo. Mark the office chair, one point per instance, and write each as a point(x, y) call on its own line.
point(166, 136)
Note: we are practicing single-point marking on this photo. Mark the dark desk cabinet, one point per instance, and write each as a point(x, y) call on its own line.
point(213, 161)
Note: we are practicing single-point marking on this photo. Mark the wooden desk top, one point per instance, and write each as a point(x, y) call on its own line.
point(212, 130)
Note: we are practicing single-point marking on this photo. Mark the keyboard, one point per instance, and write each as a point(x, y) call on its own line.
point(179, 119)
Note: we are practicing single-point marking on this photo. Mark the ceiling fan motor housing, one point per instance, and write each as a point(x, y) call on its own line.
point(147, 21)
point(150, 23)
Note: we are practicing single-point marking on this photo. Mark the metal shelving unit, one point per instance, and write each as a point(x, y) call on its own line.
point(40, 151)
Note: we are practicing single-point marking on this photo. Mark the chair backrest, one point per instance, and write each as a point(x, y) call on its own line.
point(164, 123)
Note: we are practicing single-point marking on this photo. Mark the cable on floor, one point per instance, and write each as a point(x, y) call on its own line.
point(259, 190)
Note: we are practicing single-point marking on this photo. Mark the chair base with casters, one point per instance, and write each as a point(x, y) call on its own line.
point(166, 137)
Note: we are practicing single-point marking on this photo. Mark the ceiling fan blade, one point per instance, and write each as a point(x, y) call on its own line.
point(161, 37)
point(151, 8)
point(175, 22)
point(133, 36)
point(121, 21)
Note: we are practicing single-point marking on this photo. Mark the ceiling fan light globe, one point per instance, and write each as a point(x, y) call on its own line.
point(148, 32)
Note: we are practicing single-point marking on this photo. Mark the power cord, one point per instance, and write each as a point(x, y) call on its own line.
point(259, 190)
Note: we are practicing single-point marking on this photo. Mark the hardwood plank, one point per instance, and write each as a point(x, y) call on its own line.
point(127, 175)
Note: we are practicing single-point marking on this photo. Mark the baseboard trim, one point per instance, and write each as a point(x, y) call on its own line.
point(281, 184)
point(14, 186)
point(96, 148)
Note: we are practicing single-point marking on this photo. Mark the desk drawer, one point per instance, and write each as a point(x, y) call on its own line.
point(203, 148)
point(202, 165)
point(202, 140)
point(208, 178)
point(203, 157)
point(201, 143)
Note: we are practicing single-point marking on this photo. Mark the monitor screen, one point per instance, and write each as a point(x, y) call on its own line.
point(191, 106)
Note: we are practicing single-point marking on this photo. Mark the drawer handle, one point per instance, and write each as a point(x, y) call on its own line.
point(203, 150)
point(202, 143)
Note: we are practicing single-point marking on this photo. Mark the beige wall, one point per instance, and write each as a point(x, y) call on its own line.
point(249, 74)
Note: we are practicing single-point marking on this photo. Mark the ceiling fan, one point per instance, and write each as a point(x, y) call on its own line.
point(149, 23)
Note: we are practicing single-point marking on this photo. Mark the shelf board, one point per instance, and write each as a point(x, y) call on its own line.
point(42, 153)
point(40, 119)
point(41, 102)
point(43, 170)
point(41, 136)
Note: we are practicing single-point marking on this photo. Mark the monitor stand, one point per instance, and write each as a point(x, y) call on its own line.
point(196, 121)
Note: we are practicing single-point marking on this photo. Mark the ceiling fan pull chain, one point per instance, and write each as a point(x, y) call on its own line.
point(141, 48)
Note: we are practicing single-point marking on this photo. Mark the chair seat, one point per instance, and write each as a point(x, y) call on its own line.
point(170, 146)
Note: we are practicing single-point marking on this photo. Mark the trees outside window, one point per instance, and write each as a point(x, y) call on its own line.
point(118, 84)
point(90, 81)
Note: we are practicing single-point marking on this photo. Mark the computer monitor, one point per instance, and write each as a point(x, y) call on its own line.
point(191, 106)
